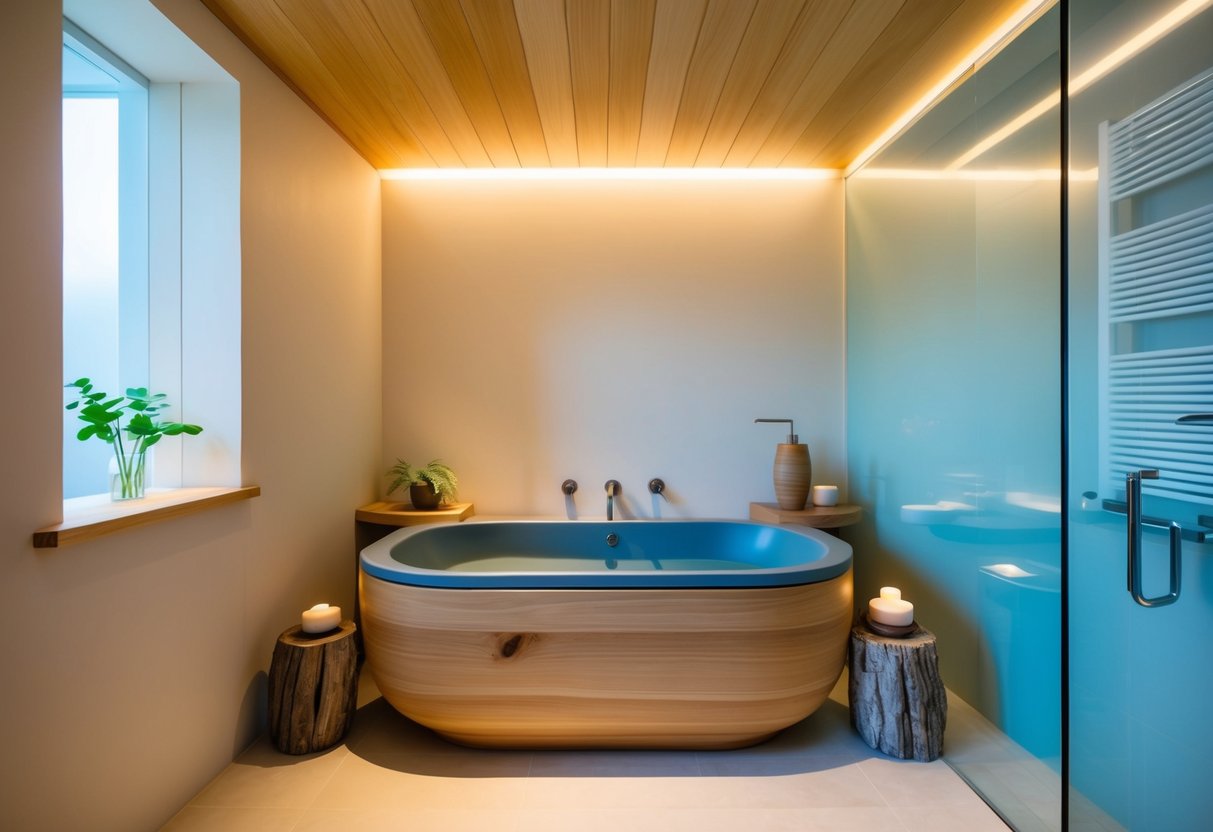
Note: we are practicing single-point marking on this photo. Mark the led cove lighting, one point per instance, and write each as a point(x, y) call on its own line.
point(992, 175)
point(975, 60)
point(679, 174)
point(1114, 59)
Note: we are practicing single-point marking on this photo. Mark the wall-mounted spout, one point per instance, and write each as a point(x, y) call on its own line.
point(612, 488)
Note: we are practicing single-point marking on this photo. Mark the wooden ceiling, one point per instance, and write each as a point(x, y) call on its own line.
point(593, 83)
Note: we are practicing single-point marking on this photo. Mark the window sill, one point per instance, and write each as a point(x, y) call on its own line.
point(85, 518)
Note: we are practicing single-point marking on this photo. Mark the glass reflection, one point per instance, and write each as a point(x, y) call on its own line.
point(954, 409)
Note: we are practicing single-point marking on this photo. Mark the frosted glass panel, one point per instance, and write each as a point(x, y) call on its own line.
point(954, 412)
point(1140, 723)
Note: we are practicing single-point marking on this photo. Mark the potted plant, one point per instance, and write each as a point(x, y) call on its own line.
point(429, 485)
point(103, 418)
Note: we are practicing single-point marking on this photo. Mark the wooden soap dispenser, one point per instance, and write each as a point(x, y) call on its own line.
point(793, 471)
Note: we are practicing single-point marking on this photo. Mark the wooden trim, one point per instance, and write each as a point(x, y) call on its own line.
point(817, 517)
point(505, 83)
point(395, 513)
point(86, 518)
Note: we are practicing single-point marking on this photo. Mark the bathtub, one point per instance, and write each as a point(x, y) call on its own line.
point(638, 634)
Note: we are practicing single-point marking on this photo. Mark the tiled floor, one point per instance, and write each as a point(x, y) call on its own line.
point(392, 774)
point(1026, 790)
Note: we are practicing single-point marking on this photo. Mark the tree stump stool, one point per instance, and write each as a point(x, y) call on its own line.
point(898, 702)
point(313, 688)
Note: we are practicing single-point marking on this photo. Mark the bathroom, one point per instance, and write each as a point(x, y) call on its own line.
point(529, 331)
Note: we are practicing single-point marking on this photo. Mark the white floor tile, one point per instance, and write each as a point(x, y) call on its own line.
point(226, 819)
point(263, 777)
point(394, 774)
point(912, 783)
point(950, 818)
point(406, 820)
point(406, 781)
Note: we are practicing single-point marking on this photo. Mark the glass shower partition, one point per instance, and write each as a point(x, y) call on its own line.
point(1140, 395)
point(954, 409)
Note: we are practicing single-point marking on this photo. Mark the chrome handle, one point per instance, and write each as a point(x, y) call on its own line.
point(1133, 509)
point(569, 487)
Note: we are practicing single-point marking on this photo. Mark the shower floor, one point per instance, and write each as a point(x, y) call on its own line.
point(1026, 790)
point(392, 774)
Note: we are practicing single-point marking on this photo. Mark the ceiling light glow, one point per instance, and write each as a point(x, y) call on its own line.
point(991, 175)
point(1147, 37)
point(975, 60)
point(671, 174)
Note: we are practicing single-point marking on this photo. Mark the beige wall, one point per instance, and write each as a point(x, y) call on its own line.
point(133, 664)
point(538, 330)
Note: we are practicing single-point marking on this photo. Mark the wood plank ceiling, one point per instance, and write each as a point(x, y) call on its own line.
point(592, 83)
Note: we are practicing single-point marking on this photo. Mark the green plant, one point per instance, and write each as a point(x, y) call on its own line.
point(437, 475)
point(102, 417)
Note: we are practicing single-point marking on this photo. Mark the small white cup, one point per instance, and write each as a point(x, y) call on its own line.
point(825, 495)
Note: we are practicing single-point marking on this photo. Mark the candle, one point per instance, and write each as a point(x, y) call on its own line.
point(825, 495)
point(321, 618)
point(890, 609)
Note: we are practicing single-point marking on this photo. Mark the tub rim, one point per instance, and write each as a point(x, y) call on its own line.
point(836, 558)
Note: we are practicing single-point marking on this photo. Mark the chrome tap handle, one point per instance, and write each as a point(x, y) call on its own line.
point(656, 485)
point(569, 487)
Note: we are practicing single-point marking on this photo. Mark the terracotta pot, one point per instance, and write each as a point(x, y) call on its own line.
point(424, 497)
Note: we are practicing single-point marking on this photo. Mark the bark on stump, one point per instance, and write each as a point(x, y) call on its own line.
point(313, 688)
point(898, 702)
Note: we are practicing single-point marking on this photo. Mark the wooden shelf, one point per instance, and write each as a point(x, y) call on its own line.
point(818, 517)
point(389, 513)
point(85, 518)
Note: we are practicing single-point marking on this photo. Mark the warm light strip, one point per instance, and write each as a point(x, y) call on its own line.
point(976, 59)
point(680, 174)
point(1013, 126)
point(1147, 37)
point(996, 175)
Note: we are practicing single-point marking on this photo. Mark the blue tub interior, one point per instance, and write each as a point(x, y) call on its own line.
point(572, 554)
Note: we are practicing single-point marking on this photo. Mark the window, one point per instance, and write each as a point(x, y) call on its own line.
point(151, 141)
point(105, 267)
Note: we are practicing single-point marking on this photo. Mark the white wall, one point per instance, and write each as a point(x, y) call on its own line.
point(133, 665)
point(538, 330)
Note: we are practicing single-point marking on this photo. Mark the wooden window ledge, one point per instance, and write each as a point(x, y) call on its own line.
point(85, 518)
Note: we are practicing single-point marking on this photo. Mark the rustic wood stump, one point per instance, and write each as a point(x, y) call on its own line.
point(898, 702)
point(313, 688)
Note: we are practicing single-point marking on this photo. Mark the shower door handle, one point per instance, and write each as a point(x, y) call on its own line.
point(1133, 509)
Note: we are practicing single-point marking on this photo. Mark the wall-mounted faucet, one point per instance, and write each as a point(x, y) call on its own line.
point(656, 486)
point(612, 489)
point(569, 487)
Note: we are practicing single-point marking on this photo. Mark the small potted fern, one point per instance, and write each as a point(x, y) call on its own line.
point(429, 485)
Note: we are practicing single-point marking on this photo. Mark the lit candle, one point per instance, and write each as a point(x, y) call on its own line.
point(825, 495)
point(321, 618)
point(890, 609)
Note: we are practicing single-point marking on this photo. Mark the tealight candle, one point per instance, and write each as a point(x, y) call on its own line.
point(890, 609)
point(321, 618)
point(825, 495)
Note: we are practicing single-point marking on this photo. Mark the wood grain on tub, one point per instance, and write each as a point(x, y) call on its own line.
point(578, 668)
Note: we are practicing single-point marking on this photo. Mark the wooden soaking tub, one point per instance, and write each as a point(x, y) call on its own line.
point(637, 634)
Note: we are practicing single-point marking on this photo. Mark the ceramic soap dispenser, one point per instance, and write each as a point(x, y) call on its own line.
point(793, 472)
